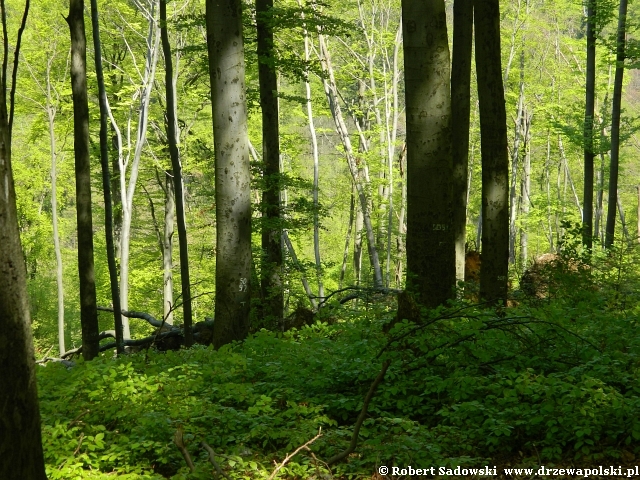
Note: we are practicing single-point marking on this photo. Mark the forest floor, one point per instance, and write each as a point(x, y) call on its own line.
point(552, 382)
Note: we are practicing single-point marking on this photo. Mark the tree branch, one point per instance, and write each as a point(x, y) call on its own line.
point(363, 413)
point(212, 459)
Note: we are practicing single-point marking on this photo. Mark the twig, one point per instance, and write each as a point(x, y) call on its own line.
point(212, 459)
point(80, 440)
point(178, 439)
point(295, 452)
point(76, 421)
point(363, 413)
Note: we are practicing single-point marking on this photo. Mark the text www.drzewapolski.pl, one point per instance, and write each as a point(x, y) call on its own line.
point(513, 472)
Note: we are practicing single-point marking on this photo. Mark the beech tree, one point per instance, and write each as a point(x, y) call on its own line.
point(106, 179)
point(86, 271)
point(172, 139)
point(495, 161)
point(430, 247)
point(233, 176)
point(461, 107)
point(615, 127)
point(20, 437)
point(272, 261)
point(587, 219)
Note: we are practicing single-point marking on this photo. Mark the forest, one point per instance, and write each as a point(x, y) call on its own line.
point(319, 239)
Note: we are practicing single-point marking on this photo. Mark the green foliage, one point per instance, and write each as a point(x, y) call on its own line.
point(551, 380)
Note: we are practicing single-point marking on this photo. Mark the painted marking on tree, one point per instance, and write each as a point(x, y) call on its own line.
point(243, 284)
point(440, 227)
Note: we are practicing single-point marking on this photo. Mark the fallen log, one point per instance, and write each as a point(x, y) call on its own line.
point(169, 338)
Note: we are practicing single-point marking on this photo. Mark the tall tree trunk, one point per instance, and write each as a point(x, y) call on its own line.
point(431, 269)
point(400, 239)
point(165, 239)
point(567, 177)
point(638, 214)
point(167, 247)
point(86, 272)
point(51, 114)
point(461, 109)
point(127, 190)
point(345, 255)
point(233, 176)
point(597, 227)
point(615, 126)
point(525, 191)
point(21, 439)
point(495, 160)
point(331, 91)
point(587, 218)
point(271, 281)
point(547, 178)
point(357, 244)
point(106, 180)
point(316, 164)
point(296, 263)
point(172, 139)
point(515, 157)
point(392, 111)
point(117, 196)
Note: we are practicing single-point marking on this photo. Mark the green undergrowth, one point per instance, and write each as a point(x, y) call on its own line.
point(553, 381)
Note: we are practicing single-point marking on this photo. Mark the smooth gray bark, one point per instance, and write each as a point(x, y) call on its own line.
point(360, 181)
point(495, 161)
point(525, 191)
point(233, 175)
point(515, 158)
point(345, 255)
point(127, 188)
point(547, 182)
point(167, 248)
point(461, 110)
point(431, 272)
point(51, 115)
point(316, 164)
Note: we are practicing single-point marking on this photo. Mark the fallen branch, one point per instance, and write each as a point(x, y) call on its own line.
point(141, 315)
point(291, 455)
point(127, 343)
point(363, 413)
point(359, 292)
point(141, 342)
point(66, 363)
point(212, 459)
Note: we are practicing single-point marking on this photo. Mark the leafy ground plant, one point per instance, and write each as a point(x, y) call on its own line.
point(551, 381)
